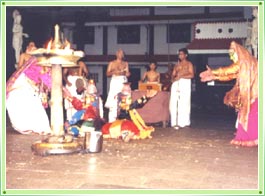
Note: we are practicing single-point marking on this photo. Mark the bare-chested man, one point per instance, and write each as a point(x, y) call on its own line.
point(152, 75)
point(24, 57)
point(75, 82)
point(81, 70)
point(118, 70)
point(180, 97)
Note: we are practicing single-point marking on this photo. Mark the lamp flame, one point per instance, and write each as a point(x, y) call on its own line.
point(67, 45)
point(49, 46)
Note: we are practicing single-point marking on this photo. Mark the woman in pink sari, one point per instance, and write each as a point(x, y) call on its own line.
point(26, 100)
point(244, 95)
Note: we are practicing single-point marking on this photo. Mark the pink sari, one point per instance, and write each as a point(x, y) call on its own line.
point(23, 101)
point(248, 137)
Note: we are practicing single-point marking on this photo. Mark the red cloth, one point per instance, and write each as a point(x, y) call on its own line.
point(78, 105)
point(90, 113)
point(130, 126)
point(126, 125)
point(90, 110)
point(105, 128)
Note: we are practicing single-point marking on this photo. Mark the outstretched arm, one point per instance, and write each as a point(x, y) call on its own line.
point(224, 71)
point(25, 35)
point(226, 77)
point(77, 104)
point(207, 75)
point(222, 74)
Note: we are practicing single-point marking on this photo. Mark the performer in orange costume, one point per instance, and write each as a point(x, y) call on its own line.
point(244, 95)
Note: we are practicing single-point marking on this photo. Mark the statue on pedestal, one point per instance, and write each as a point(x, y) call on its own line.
point(17, 35)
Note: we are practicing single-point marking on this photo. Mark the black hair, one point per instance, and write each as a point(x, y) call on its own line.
point(152, 62)
point(26, 43)
point(184, 50)
point(30, 41)
point(83, 59)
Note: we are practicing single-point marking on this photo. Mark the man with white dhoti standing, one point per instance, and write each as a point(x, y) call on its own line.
point(180, 98)
point(119, 71)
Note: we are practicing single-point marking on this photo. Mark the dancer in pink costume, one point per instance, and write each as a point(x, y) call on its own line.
point(26, 98)
point(244, 95)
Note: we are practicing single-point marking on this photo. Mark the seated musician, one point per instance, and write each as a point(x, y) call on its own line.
point(152, 75)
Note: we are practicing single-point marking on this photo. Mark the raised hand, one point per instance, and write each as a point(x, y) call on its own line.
point(26, 35)
point(207, 75)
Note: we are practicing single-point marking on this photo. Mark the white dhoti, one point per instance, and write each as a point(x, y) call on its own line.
point(70, 110)
point(25, 108)
point(116, 85)
point(180, 103)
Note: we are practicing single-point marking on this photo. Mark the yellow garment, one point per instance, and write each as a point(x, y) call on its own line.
point(228, 70)
point(226, 78)
point(145, 131)
point(115, 129)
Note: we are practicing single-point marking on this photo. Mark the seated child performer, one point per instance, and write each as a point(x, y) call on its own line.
point(89, 111)
point(129, 124)
point(152, 75)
